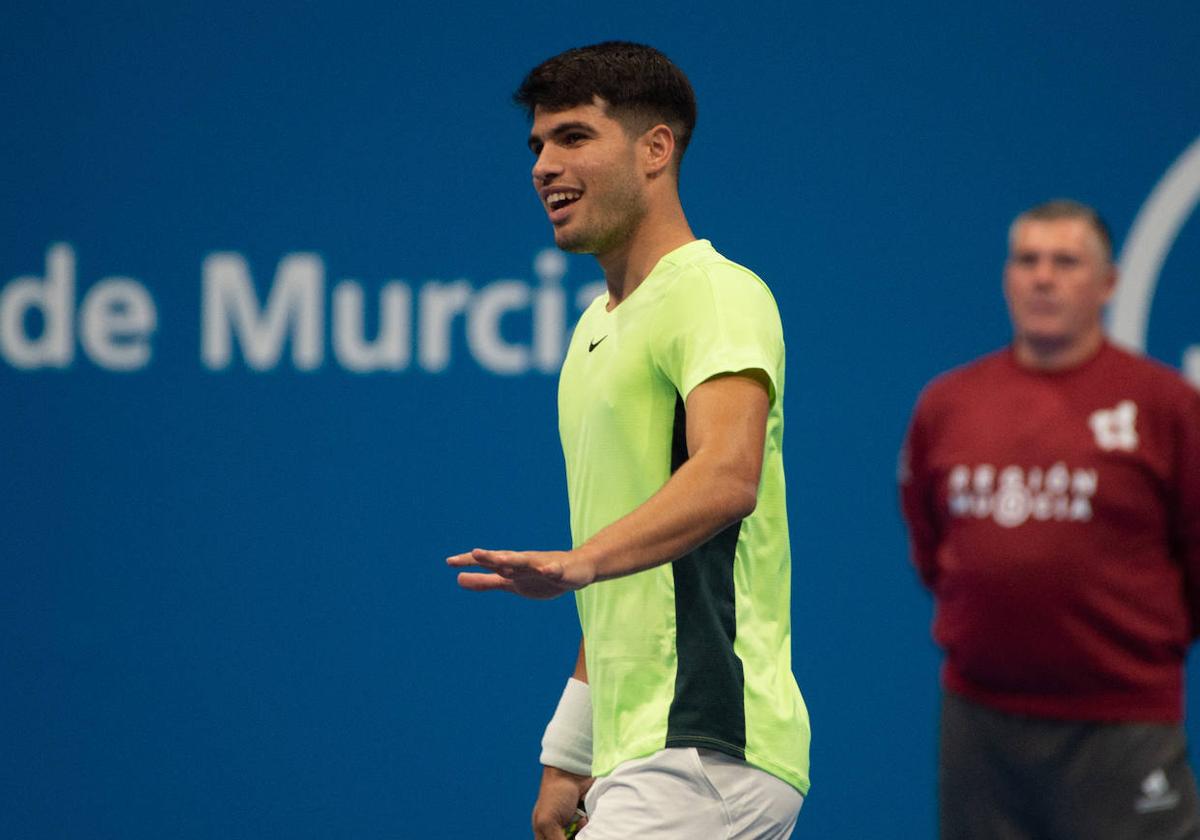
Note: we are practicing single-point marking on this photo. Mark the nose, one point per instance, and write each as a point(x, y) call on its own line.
point(546, 168)
point(1043, 271)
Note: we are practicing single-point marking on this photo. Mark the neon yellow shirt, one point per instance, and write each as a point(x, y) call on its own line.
point(695, 653)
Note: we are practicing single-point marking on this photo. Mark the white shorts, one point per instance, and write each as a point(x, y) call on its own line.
point(682, 792)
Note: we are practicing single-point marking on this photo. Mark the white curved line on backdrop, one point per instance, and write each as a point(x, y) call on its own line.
point(1150, 239)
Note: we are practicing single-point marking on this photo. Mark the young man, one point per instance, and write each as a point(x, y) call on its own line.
point(1052, 491)
point(683, 718)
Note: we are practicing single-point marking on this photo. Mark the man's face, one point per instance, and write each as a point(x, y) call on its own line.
point(587, 177)
point(1056, 282)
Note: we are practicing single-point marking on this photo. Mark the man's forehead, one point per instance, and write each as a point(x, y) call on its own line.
point(546, 119)
point(1062, 233)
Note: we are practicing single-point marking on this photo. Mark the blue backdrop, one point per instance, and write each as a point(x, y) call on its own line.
point(277, 331)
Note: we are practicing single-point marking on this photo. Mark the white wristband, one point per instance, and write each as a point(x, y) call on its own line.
point(567, 743)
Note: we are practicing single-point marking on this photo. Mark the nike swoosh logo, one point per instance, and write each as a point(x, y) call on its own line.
point(592, 345)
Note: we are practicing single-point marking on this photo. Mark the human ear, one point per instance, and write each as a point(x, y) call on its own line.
point(658, 146)
point(1110, 283)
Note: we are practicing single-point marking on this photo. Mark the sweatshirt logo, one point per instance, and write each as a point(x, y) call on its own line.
point(1115, 428)
point(1156, 794)
point(1013, 495)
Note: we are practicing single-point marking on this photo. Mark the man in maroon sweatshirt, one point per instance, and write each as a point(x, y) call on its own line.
point(1052, 494)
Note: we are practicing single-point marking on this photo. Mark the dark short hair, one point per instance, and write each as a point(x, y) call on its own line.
point(640, 85)
point(1066, 208)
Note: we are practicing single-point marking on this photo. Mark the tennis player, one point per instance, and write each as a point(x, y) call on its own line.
point(682, 718)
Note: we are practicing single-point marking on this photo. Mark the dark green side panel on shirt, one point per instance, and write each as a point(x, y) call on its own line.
point(708, 709)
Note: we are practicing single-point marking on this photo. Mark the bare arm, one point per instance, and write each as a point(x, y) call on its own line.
point(560, 791)
point(715, 487)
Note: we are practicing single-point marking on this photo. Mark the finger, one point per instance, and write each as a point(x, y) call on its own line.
point(548, 831)
point(482, 557)
point(509, 564)
point(479, 582)
point(491, 557)
point(461, 560)
point(516, 564)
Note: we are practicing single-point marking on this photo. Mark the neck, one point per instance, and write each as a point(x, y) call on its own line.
point(1056, 355)
point(658, 234)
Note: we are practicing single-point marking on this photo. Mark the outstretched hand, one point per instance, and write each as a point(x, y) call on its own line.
point(532, 574)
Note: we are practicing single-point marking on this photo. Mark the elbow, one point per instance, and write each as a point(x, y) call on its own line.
point(743, 499)
point(732, 486)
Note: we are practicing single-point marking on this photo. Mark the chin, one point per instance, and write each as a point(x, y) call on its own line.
point(1045, 333)
point(573, 244)
point(1046, 341)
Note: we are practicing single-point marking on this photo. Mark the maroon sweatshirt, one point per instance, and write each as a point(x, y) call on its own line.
point(1056, 519)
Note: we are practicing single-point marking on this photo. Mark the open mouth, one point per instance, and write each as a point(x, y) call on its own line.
point(562, 198)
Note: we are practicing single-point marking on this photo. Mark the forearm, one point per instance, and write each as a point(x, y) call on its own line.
point(716, 486)
point(701, 499)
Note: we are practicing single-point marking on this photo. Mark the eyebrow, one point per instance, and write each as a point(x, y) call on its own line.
point(561, 129)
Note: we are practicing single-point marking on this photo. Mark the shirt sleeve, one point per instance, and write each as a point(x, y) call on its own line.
point(917, 499)
point(1185, 513)
point(719, 319)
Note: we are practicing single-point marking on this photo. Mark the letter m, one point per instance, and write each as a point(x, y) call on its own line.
point(231, 308)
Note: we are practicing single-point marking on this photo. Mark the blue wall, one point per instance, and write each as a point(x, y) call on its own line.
point(224, 610)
